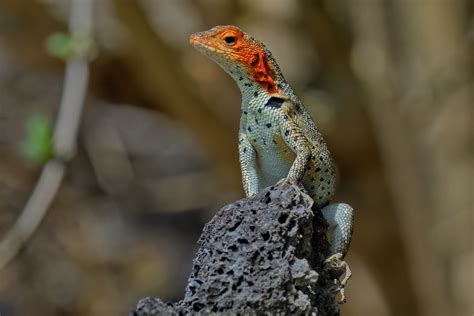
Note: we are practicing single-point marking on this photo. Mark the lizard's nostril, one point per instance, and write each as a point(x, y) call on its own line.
point(193, 38)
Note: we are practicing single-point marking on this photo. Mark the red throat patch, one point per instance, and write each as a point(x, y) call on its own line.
point(261, 71)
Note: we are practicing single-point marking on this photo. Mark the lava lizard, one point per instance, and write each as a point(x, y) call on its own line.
point(277, 137)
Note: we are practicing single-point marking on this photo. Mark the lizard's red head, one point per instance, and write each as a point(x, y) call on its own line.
point(236, 51)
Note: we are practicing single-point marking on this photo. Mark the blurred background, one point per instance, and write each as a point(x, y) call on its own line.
point(389, 83)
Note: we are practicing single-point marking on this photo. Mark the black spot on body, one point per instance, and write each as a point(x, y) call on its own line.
point(259, 110)
point(287, 133)
point(245, 112)
point(255, 94)
point(249, 129)
point(274, 102)
point(274, 141)
point(248, 84)
point(256, 121)
point(245, 150)
point(269, 125)
point(241, 78)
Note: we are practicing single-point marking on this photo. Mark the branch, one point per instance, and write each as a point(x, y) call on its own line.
point(72, 101)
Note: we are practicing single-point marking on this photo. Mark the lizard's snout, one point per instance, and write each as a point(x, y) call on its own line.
point(196, 39)
point(193, 38)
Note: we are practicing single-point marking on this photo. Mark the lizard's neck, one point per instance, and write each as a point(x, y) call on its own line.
point(255, 93)
point(254, 96)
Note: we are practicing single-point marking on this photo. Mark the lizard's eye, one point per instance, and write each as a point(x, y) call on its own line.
point(231, 40)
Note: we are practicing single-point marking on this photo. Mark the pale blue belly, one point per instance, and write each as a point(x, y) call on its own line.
point(272, 167)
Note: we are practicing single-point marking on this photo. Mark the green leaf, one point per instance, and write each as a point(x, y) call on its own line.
point(61, 45)
point(38, 145)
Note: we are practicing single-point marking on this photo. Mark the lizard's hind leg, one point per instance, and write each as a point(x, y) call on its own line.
point(339, 216)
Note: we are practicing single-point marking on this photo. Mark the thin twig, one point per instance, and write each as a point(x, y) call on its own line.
point(67, 124)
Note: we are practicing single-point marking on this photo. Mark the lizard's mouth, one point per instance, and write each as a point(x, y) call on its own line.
point(200, 43)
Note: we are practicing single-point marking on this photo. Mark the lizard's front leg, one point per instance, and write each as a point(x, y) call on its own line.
point(295, 139)
point(247, 157)
point(339, 215)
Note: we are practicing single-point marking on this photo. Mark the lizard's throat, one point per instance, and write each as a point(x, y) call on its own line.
point(255, 71)
point(262, 72)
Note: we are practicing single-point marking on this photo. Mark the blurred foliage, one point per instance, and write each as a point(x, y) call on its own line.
point(65, 46)
point(38, 145)
point(61, 45)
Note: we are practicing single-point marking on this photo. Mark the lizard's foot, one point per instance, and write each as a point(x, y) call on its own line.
point(289, 181)
point(337, 267)
point(339, 216)
point(292, 182)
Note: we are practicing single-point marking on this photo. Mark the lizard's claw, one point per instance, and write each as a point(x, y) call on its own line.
point(338, 267)
point(292, 182)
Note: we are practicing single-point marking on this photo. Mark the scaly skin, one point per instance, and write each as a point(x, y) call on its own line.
point(277, 137)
